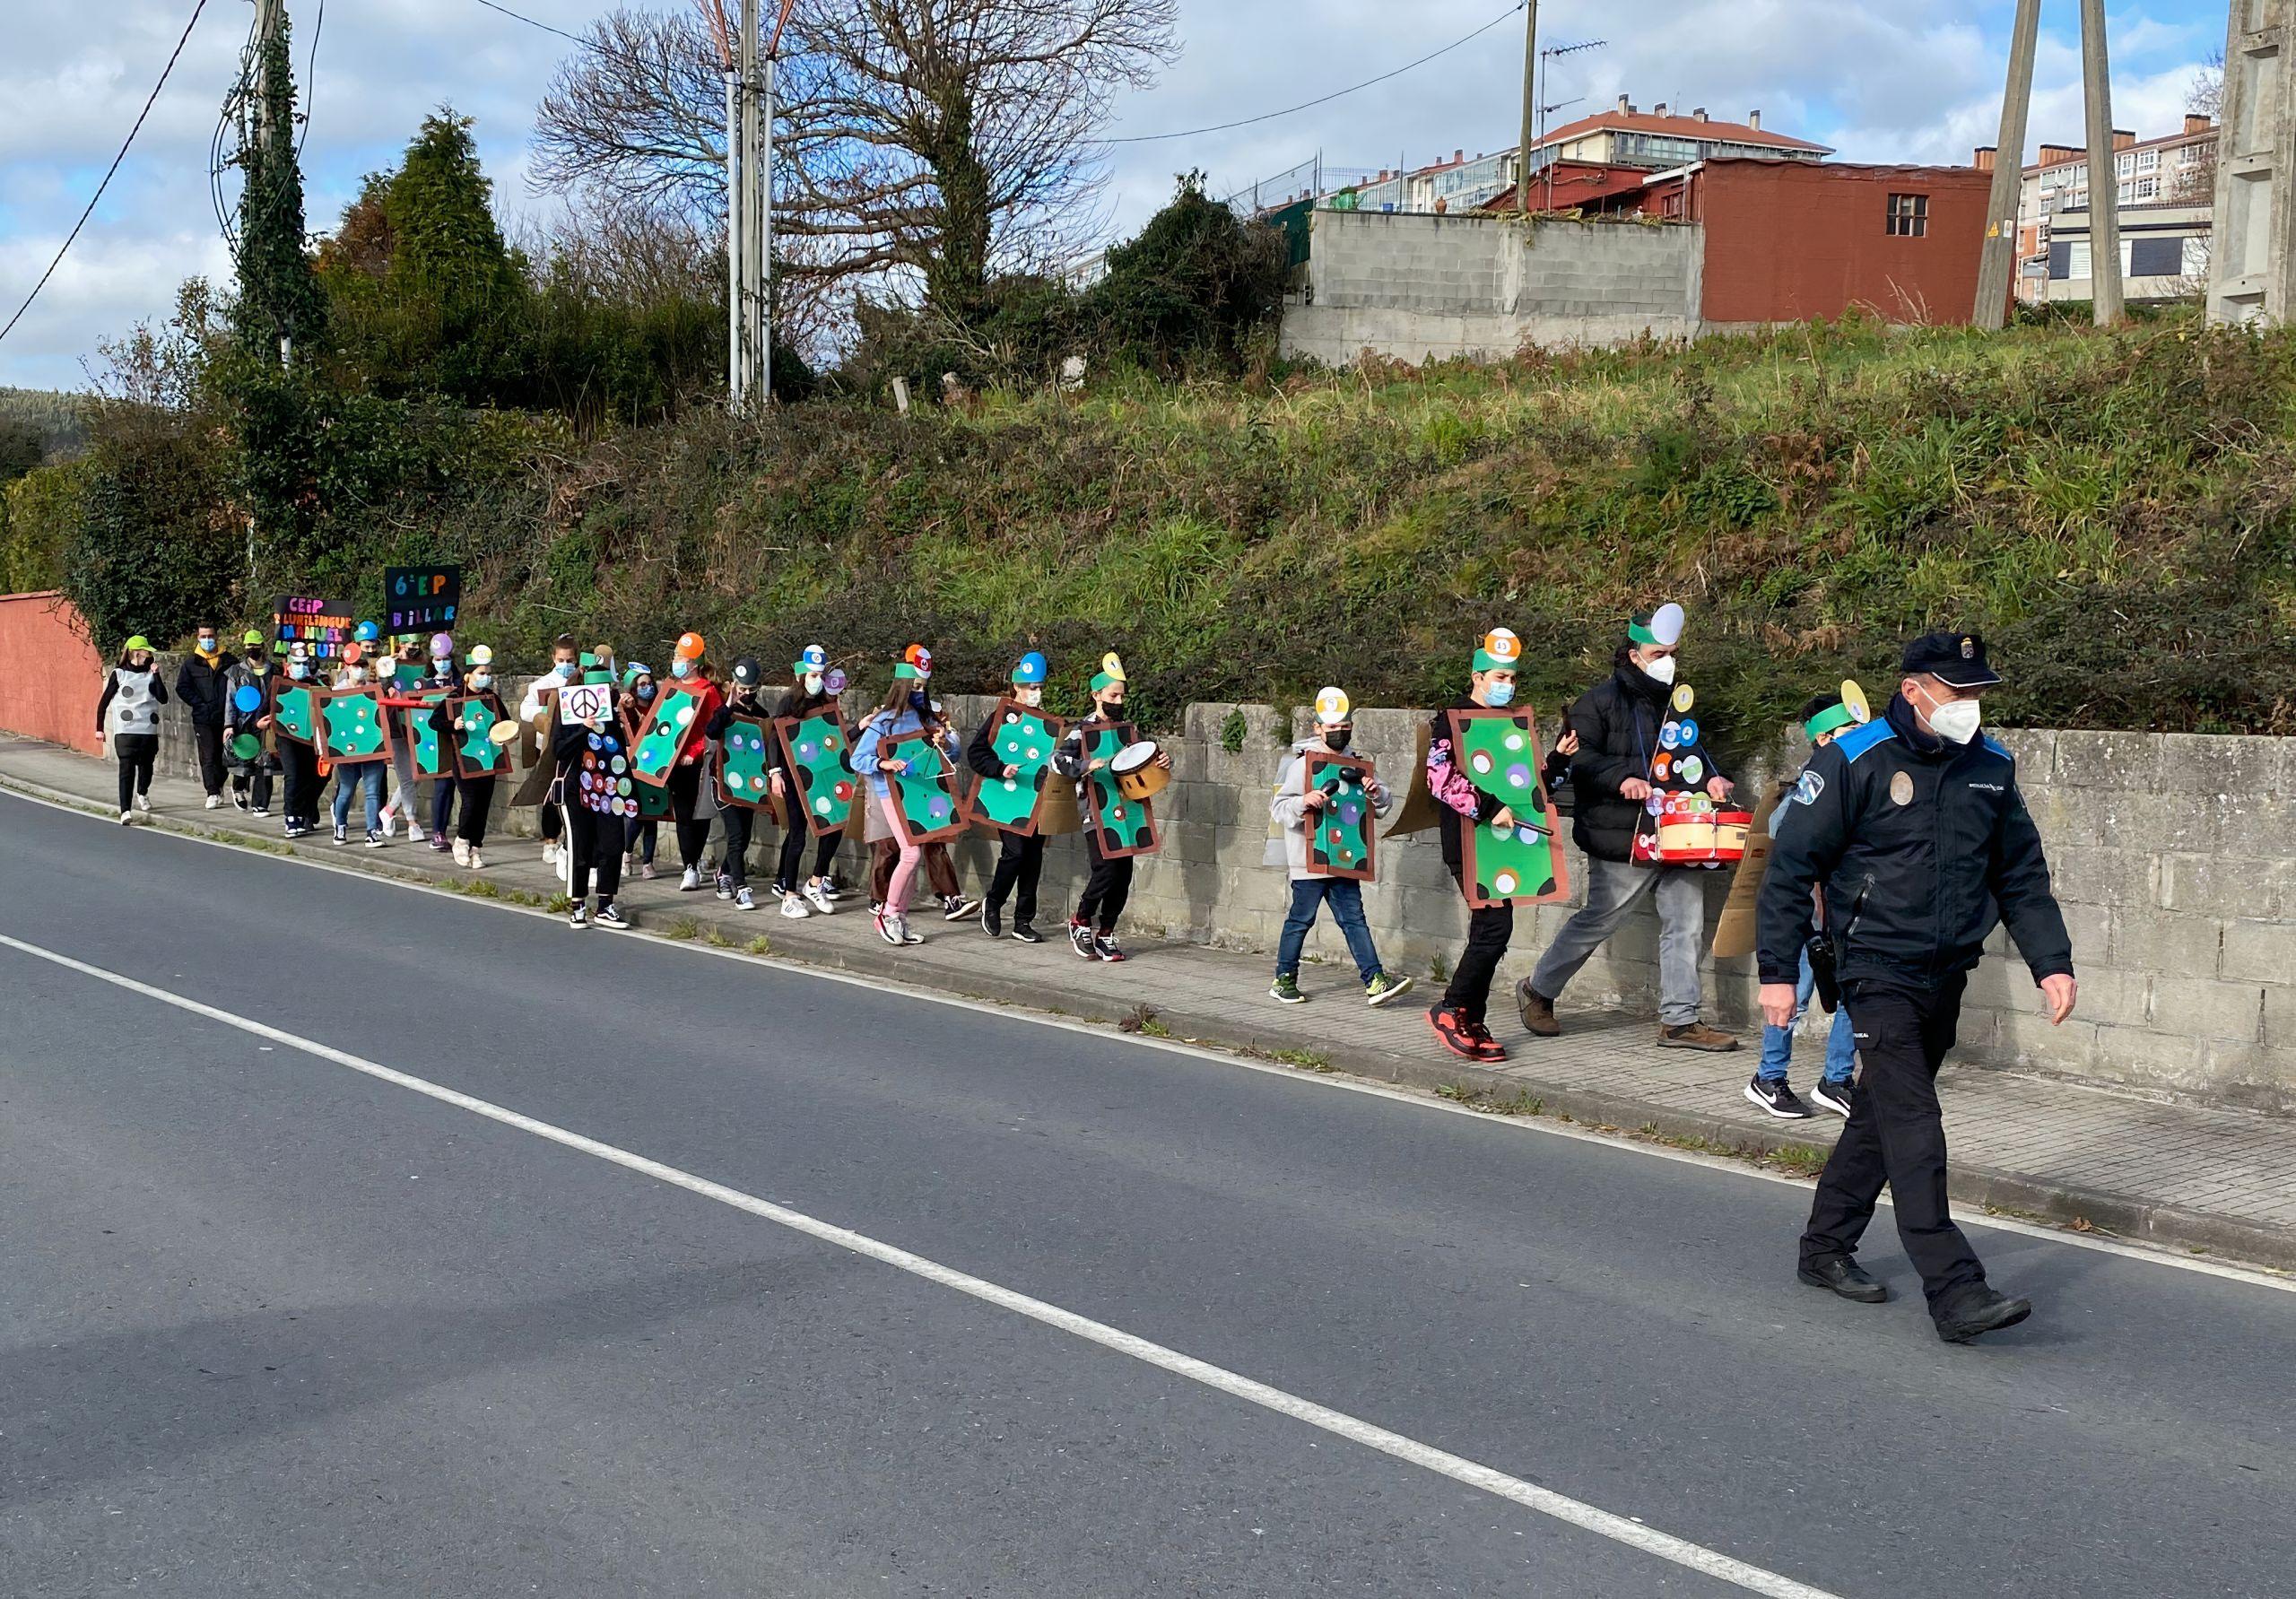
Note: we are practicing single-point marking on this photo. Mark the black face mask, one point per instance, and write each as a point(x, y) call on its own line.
point(1337, 738)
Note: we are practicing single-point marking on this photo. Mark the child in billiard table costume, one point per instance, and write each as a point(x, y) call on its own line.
point(1020, 861)
point(476, 795)
point(1091, 930)
point(907, 710)
point(1297, 811)
point(813, 684)
point(733, 869)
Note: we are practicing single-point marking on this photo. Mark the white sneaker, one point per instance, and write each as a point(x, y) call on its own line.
point(793, 908)
point(906, 936)
point(214, 802)
point(549, 855)
point(743, 899)
point(389, 819)
point(143, 804)
point(819, 897)
point(462, 852)
point(690, 882)
point(127, 818)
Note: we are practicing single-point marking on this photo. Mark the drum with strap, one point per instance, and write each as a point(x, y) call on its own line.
point(1137, 775)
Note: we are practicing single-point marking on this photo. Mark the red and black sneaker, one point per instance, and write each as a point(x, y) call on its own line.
point(1454, 1032)
point(1486, 1047)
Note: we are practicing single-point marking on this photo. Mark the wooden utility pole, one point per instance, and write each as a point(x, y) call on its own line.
point(1530, 104)
point(2104, 181)
point(749, 188)
point(1998, 256)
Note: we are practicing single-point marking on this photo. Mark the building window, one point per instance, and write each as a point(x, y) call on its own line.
point(2156, 257)
point(1908, 216)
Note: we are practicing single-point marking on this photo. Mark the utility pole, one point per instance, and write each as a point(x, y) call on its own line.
point(748, 186)
point(1530, 104)
point(1998, 256)
point(2252, 252)
point(2104, 183)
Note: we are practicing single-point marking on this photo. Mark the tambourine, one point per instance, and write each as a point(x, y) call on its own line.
point(504, 732)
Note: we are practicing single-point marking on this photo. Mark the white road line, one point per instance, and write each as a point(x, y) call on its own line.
point(1541, 1126)
point(1546, 1501)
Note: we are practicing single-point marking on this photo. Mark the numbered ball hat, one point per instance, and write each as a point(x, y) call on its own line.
point(1500, 651)
point(1111, 673)
point(1957, 659)
point(810, 659)
point(1032, 669)
point(916, 664)
point(480, 655)
point(1662, 627)
point(690, 646)
point(635, 670)
point(366, 632)
point(442, 646)
point(747, 672)
point(252, 636)
point(1331, 708)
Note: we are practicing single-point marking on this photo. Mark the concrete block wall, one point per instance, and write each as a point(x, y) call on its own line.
point(1422, 287)
point(2173, 856)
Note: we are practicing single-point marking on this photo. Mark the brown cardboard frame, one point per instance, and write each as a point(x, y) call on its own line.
point(382, 720)
point(1308, 762)
point(783, 726)
point(1037, 818)
point(1090, 805)
point(1454, 721)
point(501, 767)
point(958, 820)
point(763, 724)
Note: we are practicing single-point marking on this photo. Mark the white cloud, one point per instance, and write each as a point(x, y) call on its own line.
point(1912, 80)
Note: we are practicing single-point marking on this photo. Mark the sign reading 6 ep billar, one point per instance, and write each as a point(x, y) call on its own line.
point(421, 599)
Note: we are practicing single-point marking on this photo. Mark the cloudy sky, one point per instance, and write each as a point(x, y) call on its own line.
point(1907, 80)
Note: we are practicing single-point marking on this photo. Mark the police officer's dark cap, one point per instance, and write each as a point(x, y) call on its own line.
point(1957, 659)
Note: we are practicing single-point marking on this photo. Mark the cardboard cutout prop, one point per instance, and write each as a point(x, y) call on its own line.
point(1119, 826)
point(925, 807)
point(1339, 836)
point(586, 702)
point(1735, 930)
point(1498, 751)
point(1417, 812)
point(663, 734)
point(432, 759)
point(1024, 740)
point(819, 754)
point(741, 764)
point(475, 752)
point(537, 740)
point(294, 709)
point(352, 729)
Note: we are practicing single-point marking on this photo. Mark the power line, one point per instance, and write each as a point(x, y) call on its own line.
point(99, 195)
point(1305, 105)
point(588, 44)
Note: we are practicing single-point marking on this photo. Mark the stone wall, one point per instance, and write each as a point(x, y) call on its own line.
point(1427, 288)
point(2174, 856)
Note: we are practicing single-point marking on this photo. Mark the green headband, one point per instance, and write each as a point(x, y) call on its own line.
point(906, 671)
point(1833, 719)
point(1641, 633)
point(1484, 661)
point(1104, 681)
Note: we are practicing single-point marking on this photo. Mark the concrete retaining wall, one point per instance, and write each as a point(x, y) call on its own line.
point(1427, 288)
point(2174, 856)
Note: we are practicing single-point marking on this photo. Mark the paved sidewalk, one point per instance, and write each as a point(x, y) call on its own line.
point(2219, 1181)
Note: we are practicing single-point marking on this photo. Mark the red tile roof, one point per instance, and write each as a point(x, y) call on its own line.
point(1679, 128)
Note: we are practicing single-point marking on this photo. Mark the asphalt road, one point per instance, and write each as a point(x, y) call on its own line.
point(272, 1325)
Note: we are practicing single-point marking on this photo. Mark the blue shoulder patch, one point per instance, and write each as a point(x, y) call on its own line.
point(1993, 745)
point(1864, 737)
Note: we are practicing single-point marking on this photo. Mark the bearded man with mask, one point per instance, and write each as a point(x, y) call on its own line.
point(1618, 723)
point(1916, 826)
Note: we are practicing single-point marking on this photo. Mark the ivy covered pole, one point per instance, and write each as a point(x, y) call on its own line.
point(280, 301)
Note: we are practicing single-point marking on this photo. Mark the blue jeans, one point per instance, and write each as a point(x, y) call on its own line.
point(1777, 1042)
point(369, 777)
point(1344, 895)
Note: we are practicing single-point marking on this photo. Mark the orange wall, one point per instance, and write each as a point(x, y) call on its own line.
point(1786, 241)
point(50, 675)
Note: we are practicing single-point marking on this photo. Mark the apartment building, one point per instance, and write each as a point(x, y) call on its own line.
point(2177, 169)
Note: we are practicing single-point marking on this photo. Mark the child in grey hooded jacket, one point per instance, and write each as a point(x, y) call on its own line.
point(1293, 810)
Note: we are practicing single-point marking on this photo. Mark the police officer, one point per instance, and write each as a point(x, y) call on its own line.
point(1915, 825)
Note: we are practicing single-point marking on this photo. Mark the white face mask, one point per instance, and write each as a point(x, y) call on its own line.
point(1032, 697)
point(812, 683)
point(1956, 720)
point(1661, 670)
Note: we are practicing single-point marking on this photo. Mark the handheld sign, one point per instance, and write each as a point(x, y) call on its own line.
point(586, 702)
point(322, 627)
point(1339, 836)
point(1024, 740)
point(1498, 751)
point(421, 599)
point(925, 798)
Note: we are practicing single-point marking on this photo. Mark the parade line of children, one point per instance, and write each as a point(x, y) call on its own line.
point(602, 777)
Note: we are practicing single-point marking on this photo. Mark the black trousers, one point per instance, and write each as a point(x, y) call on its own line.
point(596, 843)
point(639, 836)
point(136, 752)
point(210, 743)
point(300, 766)
point(1896, 1134)
point(1489, 933)
point(443, 788)
point(550, 820)
point(1020, 863)
point(793, 856)
point(694, 835)
point(1106, 890)
point(739, 824)
point(478, 799)
point(253, 779)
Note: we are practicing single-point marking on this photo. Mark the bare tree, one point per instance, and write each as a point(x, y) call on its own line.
point(2195, 179)
point(931, 139)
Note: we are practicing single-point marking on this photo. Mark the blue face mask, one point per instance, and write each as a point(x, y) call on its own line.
point(296, 669)
point(482, 679)
point(1497, 694)
point(565, 670)
point(645, 692)
point(918, 700)
point(680, 668)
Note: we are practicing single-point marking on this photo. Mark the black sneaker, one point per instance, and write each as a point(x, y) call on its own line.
point(239, 802)
point(956, 907)
point(1105, 947)
point(1978, 1310)
point(1080, 939)
point(341, 835)
point(610, 916)
point(725, 886)
point(1777, 1097)
point(579, 916)
point(1024, 934)
point(990, 922)
point(1840, 1097)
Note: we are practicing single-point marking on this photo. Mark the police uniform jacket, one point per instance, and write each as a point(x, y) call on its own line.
point(1924, 846)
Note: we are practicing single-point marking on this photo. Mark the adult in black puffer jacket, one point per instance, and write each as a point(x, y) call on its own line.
point(1617, 722)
